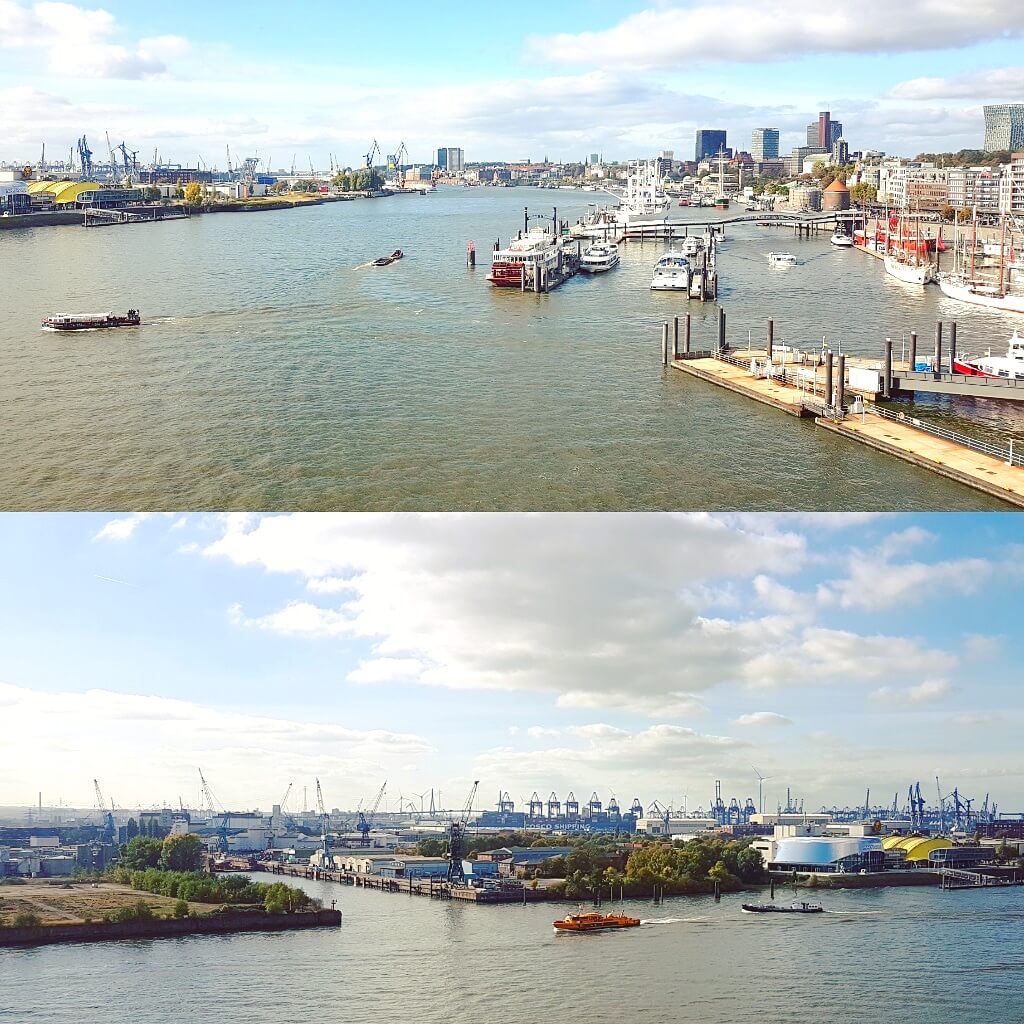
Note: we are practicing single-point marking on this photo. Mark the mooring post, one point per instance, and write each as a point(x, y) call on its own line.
point(913, 350)
point(471, 255)
point(686, 335)
point(937, 360)
point(675, 337)
point(771, 338)
point(828, 378)
point(952, 345)
point(721, 330)
point(841, 383)
point(664, 344)
point(887, 380)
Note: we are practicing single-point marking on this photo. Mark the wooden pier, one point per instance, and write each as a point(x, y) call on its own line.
point(819, 388)
point(137, 215)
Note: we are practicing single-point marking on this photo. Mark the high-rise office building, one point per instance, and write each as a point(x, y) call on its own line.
point(709, 142)
point(835, 132)
point(1004, 126)
point(840, 152)
point(822, 134)
point(813, 134)
point(764, 144)
point(451, 159)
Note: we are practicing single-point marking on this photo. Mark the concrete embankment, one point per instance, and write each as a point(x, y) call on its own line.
point(41, 220)
point(213, 924)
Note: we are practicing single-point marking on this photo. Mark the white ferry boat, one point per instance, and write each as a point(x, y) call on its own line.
point(598, 258)
point(781, 259)
point(644, 203)
point(841, 240)
point(521, 260)
point(671, 273)
point(1009, 366)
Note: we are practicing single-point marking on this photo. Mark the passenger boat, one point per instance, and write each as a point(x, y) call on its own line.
point(782, 259)
point(1010, 366)
point(721, 203)
point(598, 258)
point(594, 922)
point(671, 273)
point(793, 908)
point(911, 271)
point(538, 250)
point(71, 322)
point(841, 240)
point(385, 261)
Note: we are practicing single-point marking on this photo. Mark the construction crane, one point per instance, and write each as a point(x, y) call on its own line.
point(374, 152)
point(364, 824)
point(457, 840)
point(130, 162)
point(395, 164)
point(113, 159)
point(106, 817)
point(284, 800)
point(85, 157)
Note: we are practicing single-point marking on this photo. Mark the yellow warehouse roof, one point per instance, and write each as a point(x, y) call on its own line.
point(920, 848)
point(69, 191)
point(35, 187)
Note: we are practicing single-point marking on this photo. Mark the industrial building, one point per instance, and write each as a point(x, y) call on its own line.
point(821, 854)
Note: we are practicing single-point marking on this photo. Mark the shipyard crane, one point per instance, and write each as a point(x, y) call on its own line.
point(85, 157)
point(325, 821)
point(212, 803)
point(396, 163)
point(283, 804)
point(113, 159)
point(374, 152)
point(106, 817)
point(457, 840)
point(364, 824)
point(130, 162)
point(942, 805)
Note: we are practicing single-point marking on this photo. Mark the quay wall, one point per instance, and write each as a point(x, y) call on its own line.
point(212, 924)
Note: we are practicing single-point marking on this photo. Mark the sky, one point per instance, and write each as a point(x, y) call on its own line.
point(622, 78)
point(629, 655)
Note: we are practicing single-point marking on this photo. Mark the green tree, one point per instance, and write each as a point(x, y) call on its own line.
point(182, 853)
point(181, 909)
point(140, 853)
point(862, 193)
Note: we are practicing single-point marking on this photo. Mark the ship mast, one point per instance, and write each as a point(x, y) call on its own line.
point(974, 240)
point(1002, 251)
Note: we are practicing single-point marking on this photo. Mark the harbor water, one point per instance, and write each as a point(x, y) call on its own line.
point(885, 954)
point(276, 368)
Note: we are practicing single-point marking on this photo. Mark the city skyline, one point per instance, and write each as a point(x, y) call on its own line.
point(636, 655)
point(539, 87)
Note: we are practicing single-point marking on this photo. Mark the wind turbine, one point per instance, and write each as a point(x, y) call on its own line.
point(761, 780)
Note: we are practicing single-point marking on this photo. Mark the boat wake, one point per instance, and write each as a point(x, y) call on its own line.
point(673, 920)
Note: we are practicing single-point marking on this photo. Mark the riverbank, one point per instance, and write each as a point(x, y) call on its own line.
point(210, 924)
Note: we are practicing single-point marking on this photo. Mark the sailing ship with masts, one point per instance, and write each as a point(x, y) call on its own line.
point(981, 278)
point(906, 253)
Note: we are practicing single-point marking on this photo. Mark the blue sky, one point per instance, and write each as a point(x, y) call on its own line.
point(623, 78)
point(636, 655)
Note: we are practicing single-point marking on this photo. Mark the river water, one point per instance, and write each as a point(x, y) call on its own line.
point(276, 370)
point(879, 955)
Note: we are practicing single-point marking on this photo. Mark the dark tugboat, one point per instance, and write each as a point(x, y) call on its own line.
point(771, 908)
point(93, 323)
point(385, 261)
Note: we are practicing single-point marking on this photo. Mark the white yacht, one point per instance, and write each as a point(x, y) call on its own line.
point(841, 240)
point(644, 203)
point(598, 258)
point(910, 271)
point(671, 273)
point(781, 259)
point(692, 245)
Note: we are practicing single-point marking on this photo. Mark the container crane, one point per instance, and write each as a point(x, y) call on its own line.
point(364, 824)
point(457, 841)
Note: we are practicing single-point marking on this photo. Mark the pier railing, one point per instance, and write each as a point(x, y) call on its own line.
point(1003, 453)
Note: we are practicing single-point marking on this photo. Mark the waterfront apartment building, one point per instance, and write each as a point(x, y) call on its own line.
point(987, 189)
point(764, 144)
point(894, 176)
point(1004, 126)
point(709, 142)
point(1015, 185)
point(451, 159)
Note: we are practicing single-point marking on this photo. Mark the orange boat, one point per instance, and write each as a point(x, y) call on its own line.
point(595, 922)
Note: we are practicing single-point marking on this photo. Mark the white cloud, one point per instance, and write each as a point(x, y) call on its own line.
point(386, 670)
point(79, 42)
point(763, 718)
point(691, 32)
point(146, 747)
point(1002, 84)
point(982, 647)
point(772, 594)
point(926, 692)
point(121, 529)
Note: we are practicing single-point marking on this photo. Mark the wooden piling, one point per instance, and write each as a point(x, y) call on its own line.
point(771, 339)
point(664, 344)
point(913, 351)
point(675, 337)
point(887, 376)
point(828, 378)
point(721, 329)
point(952, 345)
point(841, 383)
point(937, 359)
point(686, 335)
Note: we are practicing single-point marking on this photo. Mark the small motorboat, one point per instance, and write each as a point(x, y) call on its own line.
point(782, 259)
point(841, 240)
point(386, 261)
point(73, 322)
point(594, 922)
point(793, 908)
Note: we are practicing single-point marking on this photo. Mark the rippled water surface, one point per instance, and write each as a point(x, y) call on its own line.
point(879, 955)
point(275, 369)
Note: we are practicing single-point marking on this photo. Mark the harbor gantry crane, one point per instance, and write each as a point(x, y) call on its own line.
point(457, 840)
point(364, 824)
point(374, 152)
point(85, 157)
point(106, 817)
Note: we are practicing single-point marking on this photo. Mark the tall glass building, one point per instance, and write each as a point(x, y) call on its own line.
point(709, 142)
point(764, 144)
point(1004, 126)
